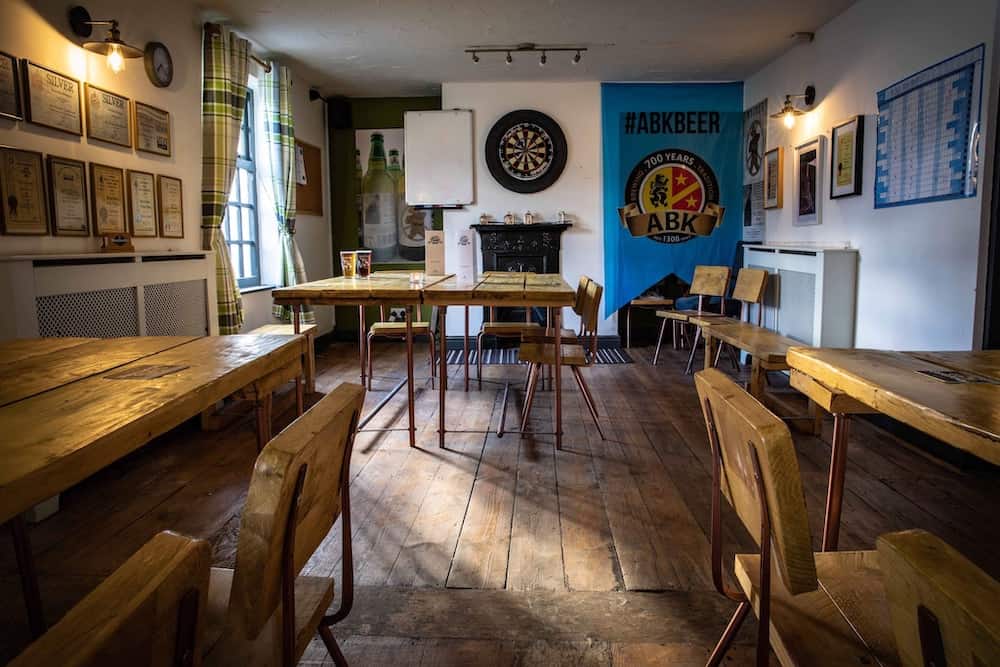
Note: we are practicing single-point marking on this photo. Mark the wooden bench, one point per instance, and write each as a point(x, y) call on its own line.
point(307, 330)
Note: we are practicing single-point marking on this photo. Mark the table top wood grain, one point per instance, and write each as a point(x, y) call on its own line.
point(397, 287)
point(497, 289)
point(965, 415)
point(56, 438)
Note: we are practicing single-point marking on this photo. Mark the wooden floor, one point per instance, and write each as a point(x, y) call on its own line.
point(502, 551)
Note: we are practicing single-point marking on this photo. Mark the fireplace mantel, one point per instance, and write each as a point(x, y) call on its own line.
point(521, 247)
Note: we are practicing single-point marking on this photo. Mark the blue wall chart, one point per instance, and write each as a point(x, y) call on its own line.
point(928, 133)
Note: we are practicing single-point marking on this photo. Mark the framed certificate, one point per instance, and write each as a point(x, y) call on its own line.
point(774, 175)
point(152, 129)
point(10, 88)
point(68, 197)
point(171, 200)
point(141, 201)
point(108, 117)
point(107, 199)
point(809, 160)
point(22, 193)
point(847, 150)
point(52, 99)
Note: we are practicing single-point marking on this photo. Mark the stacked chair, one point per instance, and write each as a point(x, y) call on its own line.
point(708, 282)
point(915, 600)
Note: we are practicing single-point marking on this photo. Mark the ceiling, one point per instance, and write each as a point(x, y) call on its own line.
point(381, 48)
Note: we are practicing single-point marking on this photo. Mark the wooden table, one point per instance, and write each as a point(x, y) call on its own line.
point(642, 302)
point(64, 419)
point(503, 289)
point(965, 415)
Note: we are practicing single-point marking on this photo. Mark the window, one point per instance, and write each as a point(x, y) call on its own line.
point(241, 225)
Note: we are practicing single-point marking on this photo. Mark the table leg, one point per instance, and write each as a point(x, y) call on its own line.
point(29, 577)
point(263, 409)
point(296, 325)
point(465, 349)
point(362, 353)
point(409, 373)
point(757, 379)
point(628, 326)
point(442, 385)
point(557, 323)
point(710, 348)
point(299, 396)
point(835, 488)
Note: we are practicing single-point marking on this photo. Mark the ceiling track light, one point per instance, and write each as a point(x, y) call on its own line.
point(527, 47)
point(789, 112)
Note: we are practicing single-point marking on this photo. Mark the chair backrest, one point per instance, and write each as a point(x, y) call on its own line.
point(149, 612)
point(750, 284)
point(581, 295)
point(743, 430)
point(307, 462)
point(590, 307)
point(944, 609)
point(710, 281)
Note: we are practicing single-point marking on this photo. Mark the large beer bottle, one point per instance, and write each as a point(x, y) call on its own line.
point(411, 220)
point(358, 176)
point(379, 202)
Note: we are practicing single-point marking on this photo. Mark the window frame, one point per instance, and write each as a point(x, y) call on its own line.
point(245, 201)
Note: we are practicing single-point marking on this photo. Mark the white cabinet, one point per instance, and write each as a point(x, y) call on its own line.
point(811, 293)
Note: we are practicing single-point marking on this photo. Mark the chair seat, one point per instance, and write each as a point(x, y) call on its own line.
point(545, 353)
point(822, 627)
point(313, 596)
point(509, 328)
point(398, 328)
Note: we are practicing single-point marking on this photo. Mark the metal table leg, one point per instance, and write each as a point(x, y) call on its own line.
point(835, 488)
point(29, 577)
point(443, 384)
point(557, 323)
point(465, 349)
point(409, 373)
point(362, 352)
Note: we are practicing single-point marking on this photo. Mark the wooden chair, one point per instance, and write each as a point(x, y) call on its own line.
point(397, 331)
point(749, 291)
point(520, 330)
point(150, 611)
point(263, 612)
point(574, 355)
point(822, 609)
point(708, 281)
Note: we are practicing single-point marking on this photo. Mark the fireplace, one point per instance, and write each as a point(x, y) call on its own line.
point(516, 248)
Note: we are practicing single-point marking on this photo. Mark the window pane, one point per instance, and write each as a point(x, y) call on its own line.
point(241, 150)
point(247, 262)
point(248, 231)
point(246, 186)
point(234, 257)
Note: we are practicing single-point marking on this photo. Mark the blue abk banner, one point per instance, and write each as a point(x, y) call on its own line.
point(673, 189)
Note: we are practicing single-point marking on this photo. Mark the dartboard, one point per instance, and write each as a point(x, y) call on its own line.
point(526, 151)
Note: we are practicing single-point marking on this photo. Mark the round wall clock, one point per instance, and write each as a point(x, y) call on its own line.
point(526, 151)
point(159, 64)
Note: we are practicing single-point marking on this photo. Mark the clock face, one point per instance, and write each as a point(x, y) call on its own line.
point(159, 64)
point(526, 151)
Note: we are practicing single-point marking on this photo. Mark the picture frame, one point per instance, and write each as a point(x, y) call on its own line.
point(52, 99)
point(774, 177)
point(11, 104)
point(847, 145)
point(68, 205)
point(170, 200)
point(109, 117)
point(23, 207)
point(151, 127)
point(107, 199)
point(809, 160)
point(140, 199)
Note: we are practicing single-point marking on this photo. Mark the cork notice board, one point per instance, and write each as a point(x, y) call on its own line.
point(309, 197)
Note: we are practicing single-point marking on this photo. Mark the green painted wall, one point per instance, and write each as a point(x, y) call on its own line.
point(367, 113)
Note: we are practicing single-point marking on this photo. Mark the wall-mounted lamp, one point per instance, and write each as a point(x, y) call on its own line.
point(789, 111)
point(112, 46)
point(526, 47)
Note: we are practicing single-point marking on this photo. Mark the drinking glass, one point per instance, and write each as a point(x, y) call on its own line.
point(364, 263)
point(348, 262)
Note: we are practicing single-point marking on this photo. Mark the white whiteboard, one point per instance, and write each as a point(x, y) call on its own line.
point(438, 146)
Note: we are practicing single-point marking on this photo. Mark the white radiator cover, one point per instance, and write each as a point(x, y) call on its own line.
point(108, 295)
point(811, 292)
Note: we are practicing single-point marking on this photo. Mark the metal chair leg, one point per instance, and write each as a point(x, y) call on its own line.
point(587, 398)
point(659, 341)
point(694, 349)
point(530, 397)
point(719, 652)
point(479, 359)
point(718, 354)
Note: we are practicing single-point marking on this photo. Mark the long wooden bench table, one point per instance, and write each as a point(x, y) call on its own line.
point(63, 424)
point(909, 387)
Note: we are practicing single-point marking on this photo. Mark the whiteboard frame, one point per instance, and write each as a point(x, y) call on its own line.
point(465, 172)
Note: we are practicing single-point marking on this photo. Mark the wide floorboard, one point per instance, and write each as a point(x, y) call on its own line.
point(502, 550)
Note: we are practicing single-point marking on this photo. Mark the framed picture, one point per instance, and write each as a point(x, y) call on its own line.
point(847, 152)
point(171, 199)
point(22, 193)
point(809, 160)
point(68, 196)
point(152, 129)
point(141, 200)
point(108, 117)
point(774, 172)
point(52, 99)
point(11, 105)
point(107, 199)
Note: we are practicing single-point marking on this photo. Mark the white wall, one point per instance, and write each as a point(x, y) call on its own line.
point(918, 264)
point(577, 109)
point(40, 32)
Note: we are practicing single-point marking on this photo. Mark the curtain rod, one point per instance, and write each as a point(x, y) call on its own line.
point(262, 63)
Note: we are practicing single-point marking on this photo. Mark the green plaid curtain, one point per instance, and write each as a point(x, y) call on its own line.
point(223, 100)
point(279, 130)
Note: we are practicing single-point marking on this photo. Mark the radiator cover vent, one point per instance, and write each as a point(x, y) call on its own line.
point(108, 313)
point(176, 309)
